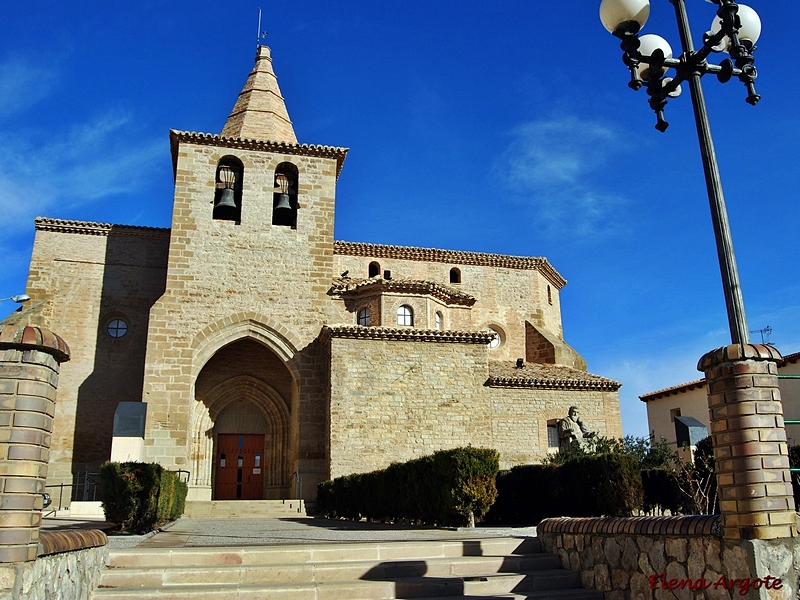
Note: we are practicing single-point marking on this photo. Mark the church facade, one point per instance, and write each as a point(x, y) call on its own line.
point(271, 356)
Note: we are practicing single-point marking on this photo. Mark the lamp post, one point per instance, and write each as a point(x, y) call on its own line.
point(649, 58)
point(746, 416)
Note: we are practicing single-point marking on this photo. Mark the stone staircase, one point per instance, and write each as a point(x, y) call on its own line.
point(477, 569)
point(226, 509)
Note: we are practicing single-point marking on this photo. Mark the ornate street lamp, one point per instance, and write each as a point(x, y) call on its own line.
point(649, 58)
point(745, 412)
point(19, 298)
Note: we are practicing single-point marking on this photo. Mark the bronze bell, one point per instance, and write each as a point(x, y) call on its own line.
point(283, 203)
point(226, 199)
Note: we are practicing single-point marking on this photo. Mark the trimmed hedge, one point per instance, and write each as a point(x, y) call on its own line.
point(443, 488)
point(139, 497)
point(589, 486)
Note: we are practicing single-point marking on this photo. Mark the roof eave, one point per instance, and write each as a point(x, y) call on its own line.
point(207, 139)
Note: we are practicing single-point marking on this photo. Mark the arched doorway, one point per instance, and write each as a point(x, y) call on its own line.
point(241, 424)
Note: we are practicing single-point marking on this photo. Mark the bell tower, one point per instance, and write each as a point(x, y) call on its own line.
point(251, 254)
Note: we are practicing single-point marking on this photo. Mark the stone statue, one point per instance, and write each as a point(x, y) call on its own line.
point(572, 432)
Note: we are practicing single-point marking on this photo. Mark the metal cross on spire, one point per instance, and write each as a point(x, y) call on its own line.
point(262, 35)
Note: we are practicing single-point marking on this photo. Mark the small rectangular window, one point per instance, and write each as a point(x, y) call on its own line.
point(675, 412)
point(552, 435)
point(222, 460)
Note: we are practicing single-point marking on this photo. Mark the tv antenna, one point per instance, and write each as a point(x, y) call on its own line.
point(765, 333)
point(262, 35)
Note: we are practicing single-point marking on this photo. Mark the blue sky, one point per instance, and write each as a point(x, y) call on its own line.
point(504, 127)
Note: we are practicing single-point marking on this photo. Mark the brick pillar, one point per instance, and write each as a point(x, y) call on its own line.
point(753, 480)
point(29, 364)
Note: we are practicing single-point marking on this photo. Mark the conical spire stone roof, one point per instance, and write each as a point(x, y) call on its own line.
point(260, 112)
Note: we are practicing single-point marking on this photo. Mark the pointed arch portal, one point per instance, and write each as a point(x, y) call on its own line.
point(241, 424)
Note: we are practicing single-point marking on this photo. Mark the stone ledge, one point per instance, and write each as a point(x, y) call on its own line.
point(546, 376)
point(446, 293)
point(407, 334)
point(102, 229)
point(684, 525)
point(553, 384)
point(207, 139)
point(459, 257)
point(55, 542)
point(734, 352)
point(26, 337)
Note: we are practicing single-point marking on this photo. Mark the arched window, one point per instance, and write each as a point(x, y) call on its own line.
point(284, 200)
point(228, 189)
point(455, 275)
point(363, 316)
point(405, 316)
point(549, 295)
point(374, 269)
point(438, 320)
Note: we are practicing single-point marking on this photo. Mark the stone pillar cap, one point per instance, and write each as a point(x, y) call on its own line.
point(27, 337)
point(734, 352)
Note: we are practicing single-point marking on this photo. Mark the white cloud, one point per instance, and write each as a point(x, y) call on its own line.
point(23, 84)
point(551, 166)
point(96, 159)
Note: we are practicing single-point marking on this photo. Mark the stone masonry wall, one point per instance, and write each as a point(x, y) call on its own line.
point(84, 277)
point(520, 415)
point(506, 297)
point(392, 401)
point(65, 576)
point(397, 400)
point(226, 274)
point(661, 558)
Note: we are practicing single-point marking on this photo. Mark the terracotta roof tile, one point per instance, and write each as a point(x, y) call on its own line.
point(208, 139)
point(535, 263)
point(675, 389)
point(445, 293)
point(546, 376)
point(407, 334)
point(90, 228)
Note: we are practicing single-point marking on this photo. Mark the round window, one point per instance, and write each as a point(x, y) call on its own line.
point(498, 338)
point(117, 328)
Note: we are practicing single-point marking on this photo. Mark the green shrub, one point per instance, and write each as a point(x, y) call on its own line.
point(525, 495)
point(446, 487)
point(663, 491)
point(139, 497)
point(599, 485)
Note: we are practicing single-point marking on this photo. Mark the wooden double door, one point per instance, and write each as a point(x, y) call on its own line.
point(240, 467)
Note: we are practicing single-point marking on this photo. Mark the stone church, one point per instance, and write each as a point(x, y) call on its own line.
point(263, 356)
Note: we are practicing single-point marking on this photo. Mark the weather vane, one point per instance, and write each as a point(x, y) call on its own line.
point(262, 35)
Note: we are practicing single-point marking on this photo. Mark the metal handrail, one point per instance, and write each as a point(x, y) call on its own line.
point(83, 488)
point(180, 473)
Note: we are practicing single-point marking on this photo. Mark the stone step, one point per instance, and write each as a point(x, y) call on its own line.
point(522, 585)
point(306, 553)
point(504, 568)
point(328, 571)
point(226, 509)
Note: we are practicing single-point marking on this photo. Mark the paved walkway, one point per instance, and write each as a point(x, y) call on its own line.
point(199, 533)
point(272, 532)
